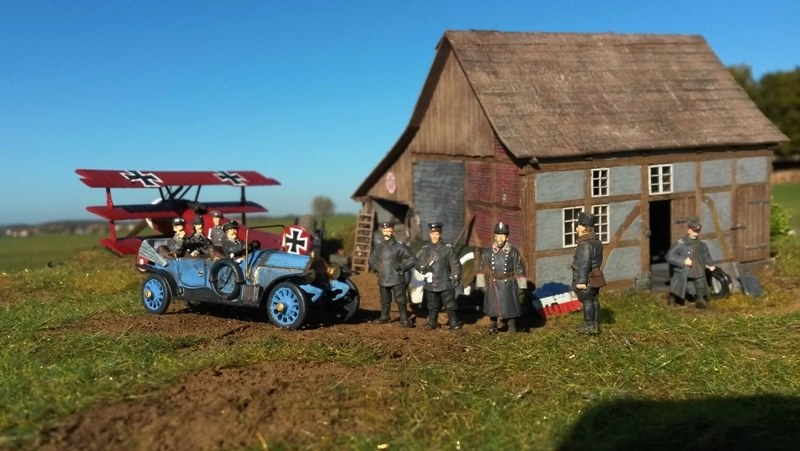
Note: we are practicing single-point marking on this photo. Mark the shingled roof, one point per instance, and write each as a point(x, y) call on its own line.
point(569, 94)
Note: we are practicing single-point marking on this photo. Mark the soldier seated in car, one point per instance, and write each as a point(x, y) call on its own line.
point(232, 246)
point(176, 247)
point(197, 243)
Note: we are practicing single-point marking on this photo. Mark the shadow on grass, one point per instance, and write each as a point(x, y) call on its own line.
point(747, 423)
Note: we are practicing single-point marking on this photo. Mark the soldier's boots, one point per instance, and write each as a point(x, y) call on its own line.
point(493, 326)
point(700, 302)
point(512, 325)
point(404, 320)
point(452, 321)
point(671, 300)
point(433, 320)
point(384, 318)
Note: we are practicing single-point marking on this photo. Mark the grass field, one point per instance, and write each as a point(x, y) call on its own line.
point(788, 196)
point(655, 379)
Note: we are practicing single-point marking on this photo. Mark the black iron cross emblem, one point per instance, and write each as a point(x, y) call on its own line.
point(234, 178)
point(295, 243)
point(147, 179)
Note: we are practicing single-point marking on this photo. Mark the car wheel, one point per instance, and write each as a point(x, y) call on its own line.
point(286, 306)
point(155, 294)
point(226, 278)
point(355, 299)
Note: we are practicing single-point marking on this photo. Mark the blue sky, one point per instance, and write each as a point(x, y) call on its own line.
point(313, 93)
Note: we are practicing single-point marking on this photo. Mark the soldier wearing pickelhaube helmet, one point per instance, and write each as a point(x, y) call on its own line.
point(177, 245)
point(587, 276)
point(501, 273)
point(391, 259)
point(441, 267)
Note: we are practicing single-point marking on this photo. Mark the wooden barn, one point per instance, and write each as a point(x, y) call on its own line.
point(644, 131)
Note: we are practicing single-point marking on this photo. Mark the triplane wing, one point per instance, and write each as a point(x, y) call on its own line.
point(179, 193)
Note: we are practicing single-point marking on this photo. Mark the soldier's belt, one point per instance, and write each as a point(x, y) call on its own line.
point(505, 276)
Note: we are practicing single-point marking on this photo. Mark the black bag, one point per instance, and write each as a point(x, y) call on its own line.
point(750, 285)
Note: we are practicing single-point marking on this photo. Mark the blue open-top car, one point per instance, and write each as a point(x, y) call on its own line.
point(284, 285)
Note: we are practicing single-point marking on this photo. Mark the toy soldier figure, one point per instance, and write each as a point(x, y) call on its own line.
point(177, 245)
point(502, 273)
point(232, 246)
point(391, 259)
point(442, 269)
point(587, 277)
point(197, 243)
point(689, 258)
point(216, 233)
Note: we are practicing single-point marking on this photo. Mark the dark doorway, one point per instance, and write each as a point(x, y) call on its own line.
point(660, 229)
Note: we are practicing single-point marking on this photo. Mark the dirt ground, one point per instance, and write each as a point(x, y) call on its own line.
point(243, 407)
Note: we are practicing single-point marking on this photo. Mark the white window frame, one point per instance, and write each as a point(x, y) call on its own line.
point(601, 212)
point(600, 182)
point(569, 217)
point(660, 178)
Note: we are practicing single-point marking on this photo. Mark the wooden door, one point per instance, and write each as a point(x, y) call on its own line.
point(682, 209)
point(751, 222)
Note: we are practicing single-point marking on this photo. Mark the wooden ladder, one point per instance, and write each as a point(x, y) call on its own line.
point(365, 225)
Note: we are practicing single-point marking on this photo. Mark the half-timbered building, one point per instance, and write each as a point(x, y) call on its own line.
point(644, 131)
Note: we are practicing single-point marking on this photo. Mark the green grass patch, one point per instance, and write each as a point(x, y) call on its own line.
point(788, 196)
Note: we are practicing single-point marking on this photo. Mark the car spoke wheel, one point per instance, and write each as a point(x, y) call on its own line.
point(286, 306)
point(155, 294)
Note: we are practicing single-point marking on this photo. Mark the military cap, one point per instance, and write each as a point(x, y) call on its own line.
point(197, 220)
point(387, 225)
point(178, 221)
point(216, 214)
point(694, 224)
point(586, 219)
point(230, 225)
point(501, 228)
point(435, 226)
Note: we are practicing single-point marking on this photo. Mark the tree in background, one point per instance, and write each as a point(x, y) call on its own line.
point(322, 207)
point(777, 95)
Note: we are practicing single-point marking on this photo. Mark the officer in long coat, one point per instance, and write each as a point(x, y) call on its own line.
point(392, 259)
point(216, 234)
point(441, 267)
point(688, 258)
point(587, 276)
point(502, 273)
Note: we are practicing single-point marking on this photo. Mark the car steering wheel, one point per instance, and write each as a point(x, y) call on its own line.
point(254, 245)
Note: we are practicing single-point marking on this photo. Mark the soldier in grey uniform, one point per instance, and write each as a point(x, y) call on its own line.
point(177, 245)
point(688, 258)
point(587, 276)
point(232, 246)
point(216, 234)
point(391, 259)
point(501, 273)
point(441, 267)
point(197, 243)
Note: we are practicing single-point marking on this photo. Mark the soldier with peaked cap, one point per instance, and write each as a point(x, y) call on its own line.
point(177, 245)
point(232, 246)
point(197, 244)
point(688, 258)
point(502, 273)
point(216, 234)
point(441, 267)
point(391, 259)
point(587, 276)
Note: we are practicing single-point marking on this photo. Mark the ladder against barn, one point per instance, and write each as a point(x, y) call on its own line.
point(365, 225)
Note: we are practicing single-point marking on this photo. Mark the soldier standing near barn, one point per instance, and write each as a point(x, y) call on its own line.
point(392, 259)
point(501, 273)
point(587, 276)
point(689, 258)
point(441, 267)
